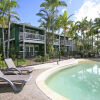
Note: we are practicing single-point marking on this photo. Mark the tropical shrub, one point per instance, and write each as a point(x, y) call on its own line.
point(46, 57)
point(14, 56)
point(56, 54)
point(39, 59)
point(0, 60)
point(42, 58)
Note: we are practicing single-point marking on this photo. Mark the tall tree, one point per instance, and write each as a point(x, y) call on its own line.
point(97, 31)
point(91, 31)
point(58, 28)
point(11, 13)
point(82, 28)
point(65, 22)
point(52, 6)
point(45, 19)
point(3, 11)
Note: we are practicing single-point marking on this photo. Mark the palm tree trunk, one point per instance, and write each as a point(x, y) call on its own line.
point(53, 32)
point(64, 41)
point(8, 36)
point(83, 44)
point(3, 37)
point(3, 41)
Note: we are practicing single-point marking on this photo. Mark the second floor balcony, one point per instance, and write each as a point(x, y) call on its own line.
point(67, 42)
point(56, 41)
point(31, 37)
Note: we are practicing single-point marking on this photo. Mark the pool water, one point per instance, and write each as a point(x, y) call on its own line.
point(80, 82)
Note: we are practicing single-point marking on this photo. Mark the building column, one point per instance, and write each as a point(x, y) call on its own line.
point(24, 42)
point(45, 51)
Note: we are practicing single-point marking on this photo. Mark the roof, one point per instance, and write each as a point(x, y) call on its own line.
point(29, 25)
point(58, 34)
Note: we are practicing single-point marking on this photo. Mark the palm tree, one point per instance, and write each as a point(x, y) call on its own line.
point(11, 4)
point(3, 11)
point(82, 27)
point(65, 22)
point(97, 30)
point(45, 19)
point(58, 28)
point(73, 34)
point(52, 6)
point(91, 31)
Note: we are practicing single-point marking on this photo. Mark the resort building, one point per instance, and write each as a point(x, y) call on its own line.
point(29, 41)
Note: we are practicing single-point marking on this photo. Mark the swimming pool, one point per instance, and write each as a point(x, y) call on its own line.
point(80, 82)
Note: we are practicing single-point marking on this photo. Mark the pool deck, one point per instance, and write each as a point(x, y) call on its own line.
point(30, 91)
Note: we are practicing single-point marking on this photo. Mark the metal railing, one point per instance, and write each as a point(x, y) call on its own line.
point(68, 43)
point(31, 36)
point(56, 41)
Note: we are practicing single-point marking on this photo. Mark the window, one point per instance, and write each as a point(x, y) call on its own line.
point(36, 48)
point(20, 48)
point(27, 49)
point(21, 29)
point(31, 49)
point(27, 30)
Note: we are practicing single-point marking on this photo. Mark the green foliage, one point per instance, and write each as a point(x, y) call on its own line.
point(50, 50)
point(42, 58)
point(21, 62)
point(39, 59)
point(0, 60)
point(46, 57)
point(14, 56)
point(56, 54)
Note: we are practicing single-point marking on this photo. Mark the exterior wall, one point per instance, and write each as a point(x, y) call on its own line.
point(30, 41)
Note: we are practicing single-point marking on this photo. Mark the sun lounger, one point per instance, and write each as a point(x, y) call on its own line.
point(11, 79)
point(11, 66)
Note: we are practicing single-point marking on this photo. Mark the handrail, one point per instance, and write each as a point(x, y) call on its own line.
point(31, 36)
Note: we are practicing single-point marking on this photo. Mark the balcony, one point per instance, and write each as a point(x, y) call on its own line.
point(31, 38)
point(56, 41)
point(68, 43)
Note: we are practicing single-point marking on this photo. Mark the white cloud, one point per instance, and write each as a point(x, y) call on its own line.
point(63, 10)
point(90, 8)
point(70, 1)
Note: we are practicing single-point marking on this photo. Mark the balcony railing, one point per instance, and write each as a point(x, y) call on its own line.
point(37, 38)
point(31, 37)
point(56, 41)
point(68, 43)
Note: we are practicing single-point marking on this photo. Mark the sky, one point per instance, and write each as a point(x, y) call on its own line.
point(80, 8)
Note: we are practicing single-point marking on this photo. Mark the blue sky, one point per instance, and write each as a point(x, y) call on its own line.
point(80, 8)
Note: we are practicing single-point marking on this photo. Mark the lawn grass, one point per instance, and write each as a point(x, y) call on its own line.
point(17, 62)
